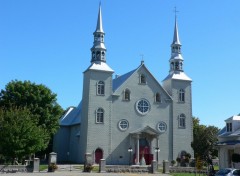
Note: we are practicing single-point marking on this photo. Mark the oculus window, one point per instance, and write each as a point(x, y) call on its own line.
point(123, 125)
point(142, 106)
point(162, 127)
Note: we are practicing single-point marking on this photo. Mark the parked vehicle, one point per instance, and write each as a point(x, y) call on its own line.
point(228, 172)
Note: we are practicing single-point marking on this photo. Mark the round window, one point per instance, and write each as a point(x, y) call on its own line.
point(123, 125)
point(162, 127)
point(143, 106)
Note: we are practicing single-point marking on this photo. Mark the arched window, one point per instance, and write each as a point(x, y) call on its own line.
point(99, 115)
point(176, 65)
point(142, 79)
point(158, 98)
point(98, 55)
point(181, 95)
point(100, 88)
point(182, 121)
point(93, 55)
point(126, 95)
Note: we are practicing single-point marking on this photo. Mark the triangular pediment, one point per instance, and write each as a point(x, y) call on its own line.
point(122, 82)
point(147, 129)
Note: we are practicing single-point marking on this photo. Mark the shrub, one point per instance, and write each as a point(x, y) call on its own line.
point(173, 162)
point(178, 159)
point(52, 167)
point(88, 168)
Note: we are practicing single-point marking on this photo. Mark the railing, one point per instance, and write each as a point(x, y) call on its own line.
point(128, 169)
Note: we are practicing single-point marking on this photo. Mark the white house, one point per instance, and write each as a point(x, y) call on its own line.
point(229, 142)
point(131, 116)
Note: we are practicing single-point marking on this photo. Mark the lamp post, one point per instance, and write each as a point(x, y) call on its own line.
point(130, 155)
point(157, 150)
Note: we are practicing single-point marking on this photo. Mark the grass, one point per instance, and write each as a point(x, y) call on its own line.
point(43, 167)
point(185, 174)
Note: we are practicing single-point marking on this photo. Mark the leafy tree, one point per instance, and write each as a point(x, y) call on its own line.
point(20, 134)
point(204, 138)
point(38, 99)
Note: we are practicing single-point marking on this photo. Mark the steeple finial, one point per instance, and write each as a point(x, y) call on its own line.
point(99, 27)
point(175, 11)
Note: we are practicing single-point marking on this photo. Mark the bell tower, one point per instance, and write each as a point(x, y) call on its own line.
point(96, 97)
point(178, 85)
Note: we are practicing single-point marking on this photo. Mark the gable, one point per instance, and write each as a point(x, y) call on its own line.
point(131, 81)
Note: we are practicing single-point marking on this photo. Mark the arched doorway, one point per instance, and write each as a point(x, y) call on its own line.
point(98, 155)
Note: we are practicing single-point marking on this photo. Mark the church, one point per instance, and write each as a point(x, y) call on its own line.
point(129, 118)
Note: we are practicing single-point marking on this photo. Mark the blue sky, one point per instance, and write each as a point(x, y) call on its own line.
point(48, 42)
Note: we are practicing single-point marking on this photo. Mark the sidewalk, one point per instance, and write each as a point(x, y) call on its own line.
point(64, 173)
point(69, 170)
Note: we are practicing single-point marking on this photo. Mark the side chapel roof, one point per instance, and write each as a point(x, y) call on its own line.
point(72, 116)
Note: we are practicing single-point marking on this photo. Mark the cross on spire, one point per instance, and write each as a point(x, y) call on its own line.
point(175, 11)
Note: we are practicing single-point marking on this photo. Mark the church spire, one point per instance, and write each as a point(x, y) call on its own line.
point(176, 36)
point(176, 60)
point(99, 50)
point(99, 27)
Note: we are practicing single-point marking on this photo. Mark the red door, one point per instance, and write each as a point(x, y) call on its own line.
point(98, 155)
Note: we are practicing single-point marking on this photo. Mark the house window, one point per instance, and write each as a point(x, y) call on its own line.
point(126, 95)
point(99, 115)
point(181, 95)
point(123, 125)
point(100, 88)
point(229, 127)
point(142, 79)
point(182, 121)
point(158, 98)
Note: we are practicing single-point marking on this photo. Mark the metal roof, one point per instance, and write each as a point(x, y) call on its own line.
point(117, 82)
point(72, 116)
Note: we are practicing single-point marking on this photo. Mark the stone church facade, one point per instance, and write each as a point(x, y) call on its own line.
point(131, 118)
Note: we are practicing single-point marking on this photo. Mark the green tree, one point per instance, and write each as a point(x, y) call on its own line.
point(204, 138)
point(20, 134)
point(38, 99)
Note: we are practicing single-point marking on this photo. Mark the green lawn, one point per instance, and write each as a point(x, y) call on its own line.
point(187, 174)
point(43, 167)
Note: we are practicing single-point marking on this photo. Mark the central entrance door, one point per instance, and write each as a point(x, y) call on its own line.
point(144, 151)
